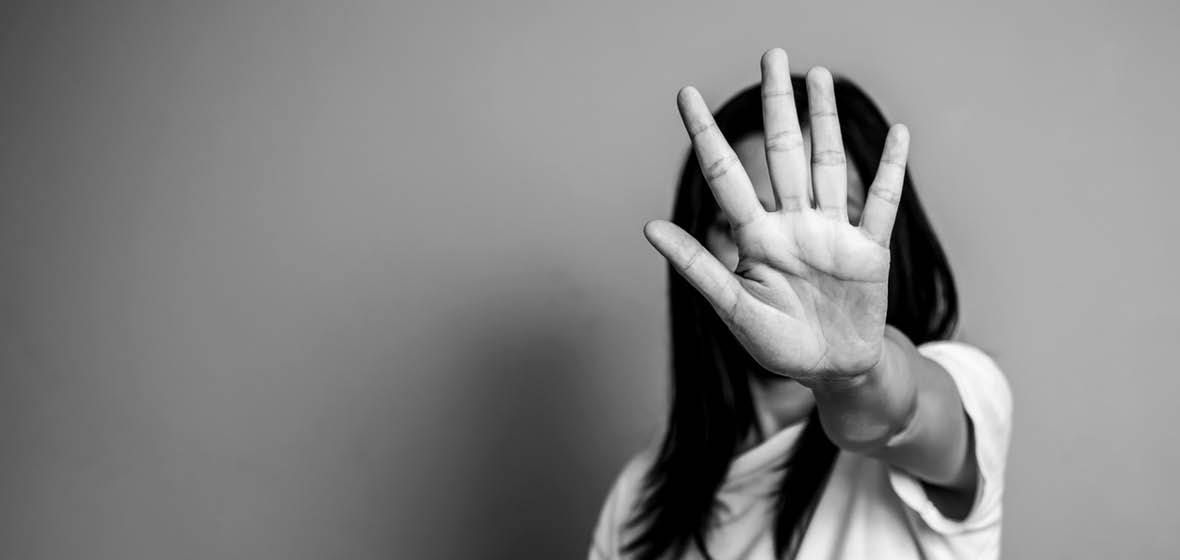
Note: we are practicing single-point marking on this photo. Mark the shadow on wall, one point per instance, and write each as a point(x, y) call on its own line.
point(531, 416)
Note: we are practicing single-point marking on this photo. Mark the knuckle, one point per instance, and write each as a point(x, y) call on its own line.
point(888, 195)
point(795, 203)
point(731, 311)
point(828, 157)
point(727, 307)
point(721, 166)
point(786, 141)
point(692, 259)
point(834, 212)
point(771, 94)
point(697, 129)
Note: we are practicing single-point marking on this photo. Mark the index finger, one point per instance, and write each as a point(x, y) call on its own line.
point(722, 169)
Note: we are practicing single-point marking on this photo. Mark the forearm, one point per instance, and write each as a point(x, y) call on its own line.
point(906, 411)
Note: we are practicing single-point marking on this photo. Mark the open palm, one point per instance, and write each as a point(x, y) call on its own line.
point(809, 295)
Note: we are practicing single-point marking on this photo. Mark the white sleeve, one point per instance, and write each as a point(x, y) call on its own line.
point(987, 400)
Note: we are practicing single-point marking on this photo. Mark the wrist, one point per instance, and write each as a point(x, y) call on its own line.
point(866, 411)
point(844, 384)
point(855, 382)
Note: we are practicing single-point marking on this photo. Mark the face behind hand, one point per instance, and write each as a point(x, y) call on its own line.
point(751, 151)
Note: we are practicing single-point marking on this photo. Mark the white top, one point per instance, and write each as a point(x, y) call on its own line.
point(868, 508)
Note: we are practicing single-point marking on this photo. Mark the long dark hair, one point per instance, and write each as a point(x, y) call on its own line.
point(712, 411)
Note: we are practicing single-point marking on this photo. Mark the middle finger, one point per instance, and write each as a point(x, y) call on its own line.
point(829, 172)
point(784, 140)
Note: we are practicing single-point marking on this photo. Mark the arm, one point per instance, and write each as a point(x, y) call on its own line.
point(907, 412)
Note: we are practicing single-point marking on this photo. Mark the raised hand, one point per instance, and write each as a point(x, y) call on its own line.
point(809, 294)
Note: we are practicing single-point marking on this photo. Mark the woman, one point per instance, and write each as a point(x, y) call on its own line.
point(819, 408)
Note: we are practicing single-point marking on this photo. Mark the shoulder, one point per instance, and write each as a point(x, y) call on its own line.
point(631, 479)
point(982, 384)
point(620, 504)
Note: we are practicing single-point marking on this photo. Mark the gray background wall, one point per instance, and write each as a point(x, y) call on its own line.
point(368, 281)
